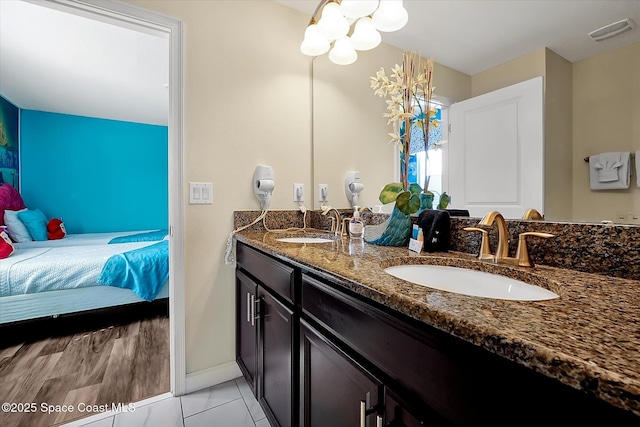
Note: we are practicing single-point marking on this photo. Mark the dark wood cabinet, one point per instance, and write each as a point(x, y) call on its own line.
point(397, 412)
point(276, 375)
point(335, 390)
point(246, 336)
point(267, 330)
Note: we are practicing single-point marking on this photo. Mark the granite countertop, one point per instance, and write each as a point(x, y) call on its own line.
point(589, 338)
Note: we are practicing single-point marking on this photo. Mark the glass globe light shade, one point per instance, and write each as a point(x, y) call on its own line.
point(365, 36)
point(358, 8)
point(333, 25)
point(390, 16)
point(343, 53)
point(314, 43)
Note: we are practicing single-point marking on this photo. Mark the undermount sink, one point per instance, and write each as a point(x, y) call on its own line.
point(470, 282)
point(305, 240)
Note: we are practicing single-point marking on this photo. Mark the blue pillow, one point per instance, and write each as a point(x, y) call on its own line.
point(36, 223)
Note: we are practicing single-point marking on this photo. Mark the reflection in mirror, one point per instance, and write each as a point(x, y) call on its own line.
point(349, 130)
point(591, 106)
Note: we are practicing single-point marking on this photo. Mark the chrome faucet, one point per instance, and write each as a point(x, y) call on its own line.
point(522, 258)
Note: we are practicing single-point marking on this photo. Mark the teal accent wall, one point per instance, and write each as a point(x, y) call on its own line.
point(98, 175)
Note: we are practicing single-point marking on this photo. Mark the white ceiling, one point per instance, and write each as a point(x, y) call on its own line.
point(474, 35)
point(58, 62)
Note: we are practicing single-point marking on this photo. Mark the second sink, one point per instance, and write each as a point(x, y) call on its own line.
point(470, 282)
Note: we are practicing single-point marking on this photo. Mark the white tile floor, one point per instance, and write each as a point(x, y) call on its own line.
point(229, 404)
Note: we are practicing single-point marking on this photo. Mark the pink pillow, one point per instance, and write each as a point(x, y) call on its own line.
point(9, 199)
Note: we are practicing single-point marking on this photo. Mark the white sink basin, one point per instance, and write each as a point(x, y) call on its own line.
point(305, 240)
point(470, 282)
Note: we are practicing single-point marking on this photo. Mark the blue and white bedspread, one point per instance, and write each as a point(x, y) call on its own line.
point(151, 236)
point(142, 270)
point(90, 239)
point(48, 269)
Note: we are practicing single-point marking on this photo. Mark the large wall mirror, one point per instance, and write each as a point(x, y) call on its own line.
point(591, 106)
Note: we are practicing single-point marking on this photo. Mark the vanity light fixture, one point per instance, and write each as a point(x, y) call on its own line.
point(333, 32)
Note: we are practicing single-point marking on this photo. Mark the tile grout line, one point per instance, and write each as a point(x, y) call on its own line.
point(235, 381)
point(181, 410)
point(217, 406)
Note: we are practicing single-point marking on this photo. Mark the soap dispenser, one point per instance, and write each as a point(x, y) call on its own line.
point(356, 226)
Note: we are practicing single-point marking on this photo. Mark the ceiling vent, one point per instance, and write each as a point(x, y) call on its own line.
point(612, 30)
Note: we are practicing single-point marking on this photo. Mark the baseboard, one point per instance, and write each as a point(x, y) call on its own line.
point(212, 376)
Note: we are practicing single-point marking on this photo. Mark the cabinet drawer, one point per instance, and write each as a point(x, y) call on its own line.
point(273, 274)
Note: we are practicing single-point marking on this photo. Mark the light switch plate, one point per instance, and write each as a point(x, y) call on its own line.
point(200, 193)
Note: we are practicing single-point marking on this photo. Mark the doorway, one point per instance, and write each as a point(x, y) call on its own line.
point(145, 21)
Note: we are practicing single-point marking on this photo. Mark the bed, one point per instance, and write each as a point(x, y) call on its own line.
point(85, 239)
point(79, 272)
point(53, 280)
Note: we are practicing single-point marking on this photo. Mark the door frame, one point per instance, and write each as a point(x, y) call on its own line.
point(147, 21)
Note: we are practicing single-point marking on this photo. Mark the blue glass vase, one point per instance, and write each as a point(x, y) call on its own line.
point(395, 231)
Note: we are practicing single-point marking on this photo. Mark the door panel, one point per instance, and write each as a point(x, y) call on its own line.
point(246, 336)
point(496, 151)
point(276, 358)
point(334, 386)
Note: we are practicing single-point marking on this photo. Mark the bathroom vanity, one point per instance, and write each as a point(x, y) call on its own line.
point(326, 338)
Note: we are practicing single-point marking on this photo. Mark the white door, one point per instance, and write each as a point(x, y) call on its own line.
point(496, 151)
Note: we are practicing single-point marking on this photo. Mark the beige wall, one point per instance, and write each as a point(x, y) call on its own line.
point(515, 71)
point(606, 117)
point(247, 103)
point(350, 132)
point(558, 130)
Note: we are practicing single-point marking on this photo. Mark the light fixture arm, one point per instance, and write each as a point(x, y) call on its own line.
point(333, 31)
point(318, 8)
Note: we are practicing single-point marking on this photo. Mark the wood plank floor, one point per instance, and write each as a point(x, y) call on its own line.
point(117, 364)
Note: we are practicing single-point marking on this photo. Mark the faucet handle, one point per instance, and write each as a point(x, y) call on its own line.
point(522, 253)
point(485, 250)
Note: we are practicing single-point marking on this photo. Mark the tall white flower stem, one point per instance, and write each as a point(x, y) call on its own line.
point(426, 70)
point(408, 67)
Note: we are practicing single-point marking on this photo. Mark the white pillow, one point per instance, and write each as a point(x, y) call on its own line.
point(16, 228)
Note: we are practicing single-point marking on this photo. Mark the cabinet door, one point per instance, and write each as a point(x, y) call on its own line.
point(397, 413)
point(246, 335)
point(275, 367)
point(335, 390)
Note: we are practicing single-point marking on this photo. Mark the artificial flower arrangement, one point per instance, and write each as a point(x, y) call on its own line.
point(407, 89)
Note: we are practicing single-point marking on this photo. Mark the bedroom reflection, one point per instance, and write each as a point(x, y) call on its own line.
point(84, 202)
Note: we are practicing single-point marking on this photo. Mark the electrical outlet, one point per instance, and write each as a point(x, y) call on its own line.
point(323, 192)
point(634, 218)
point(298, 192)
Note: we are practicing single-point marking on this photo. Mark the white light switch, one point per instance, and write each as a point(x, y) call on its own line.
point(200, 193)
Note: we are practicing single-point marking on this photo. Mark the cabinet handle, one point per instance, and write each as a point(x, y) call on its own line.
point(363, 413)
point(253, 308)
point(248, 307)
point(378, 421)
